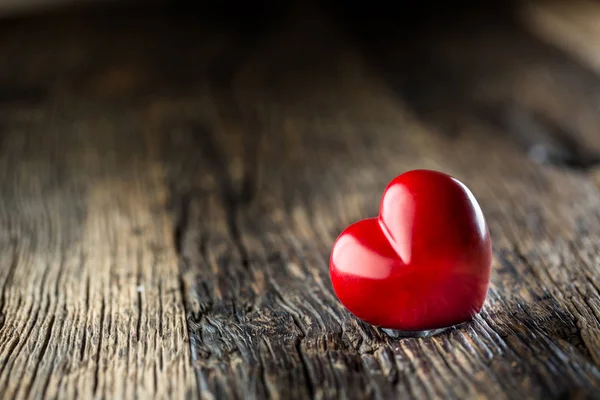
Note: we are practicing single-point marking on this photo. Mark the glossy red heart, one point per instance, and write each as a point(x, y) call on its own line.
point(423, 264)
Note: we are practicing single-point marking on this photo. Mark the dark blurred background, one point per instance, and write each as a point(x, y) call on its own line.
point(499, 64)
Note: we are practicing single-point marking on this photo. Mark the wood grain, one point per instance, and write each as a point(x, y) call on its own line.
point(92, 303)
point(171, 188)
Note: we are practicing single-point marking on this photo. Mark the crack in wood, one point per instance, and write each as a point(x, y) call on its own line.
point(7, 281)
point(99, 351)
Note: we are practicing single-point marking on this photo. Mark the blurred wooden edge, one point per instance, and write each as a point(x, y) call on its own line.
point(572, 26)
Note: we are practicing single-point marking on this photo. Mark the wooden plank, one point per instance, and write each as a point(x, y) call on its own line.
point(165, 227)
point(91, 298)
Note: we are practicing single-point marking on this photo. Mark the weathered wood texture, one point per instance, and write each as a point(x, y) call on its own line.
point(171, 187)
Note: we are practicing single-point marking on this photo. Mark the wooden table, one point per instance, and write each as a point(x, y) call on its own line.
point(171, 188)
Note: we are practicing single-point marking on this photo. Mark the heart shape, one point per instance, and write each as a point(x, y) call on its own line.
point(423, 263)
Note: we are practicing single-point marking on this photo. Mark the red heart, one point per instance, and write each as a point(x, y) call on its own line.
point(423, 264)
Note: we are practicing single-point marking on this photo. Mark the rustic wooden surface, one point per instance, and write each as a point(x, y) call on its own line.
point(171, 187)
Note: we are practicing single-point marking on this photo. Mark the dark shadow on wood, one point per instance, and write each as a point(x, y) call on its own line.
point(433, 58)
